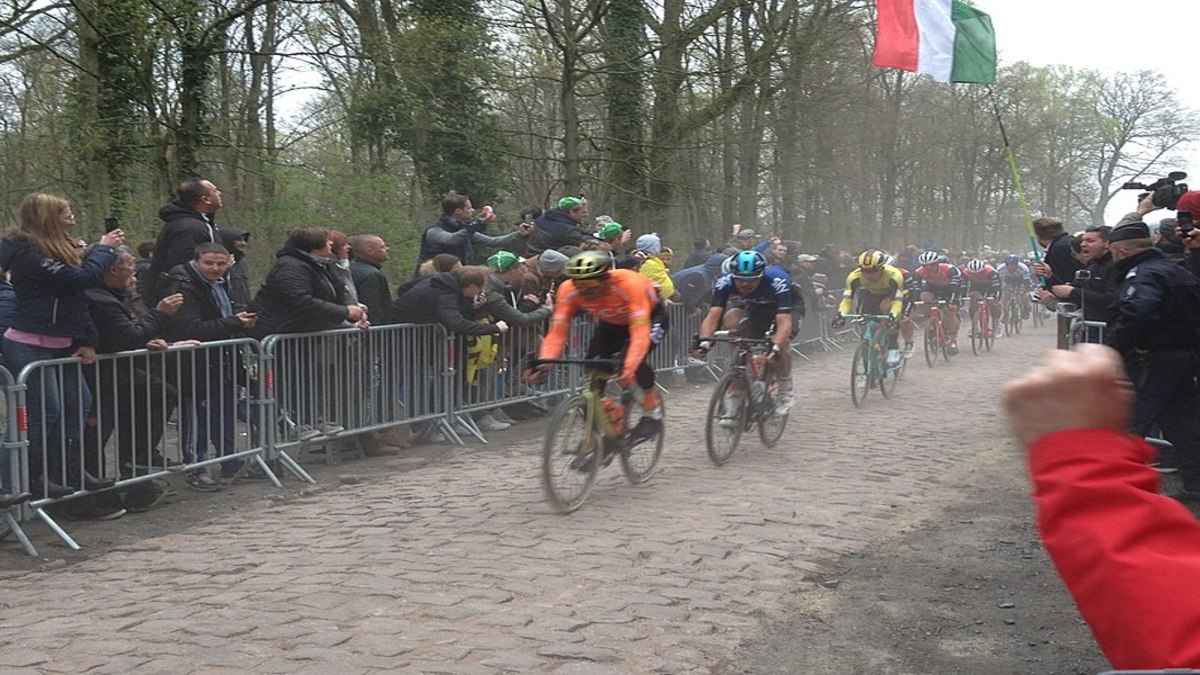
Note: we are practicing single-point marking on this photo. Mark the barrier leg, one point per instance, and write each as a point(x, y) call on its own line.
point(448, 429)
point(469, 424)
point(58, 531)
point(15, 528)
point(266, 469)
point(294, 468)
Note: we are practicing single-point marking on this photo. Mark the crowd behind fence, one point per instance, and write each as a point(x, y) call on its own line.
point(247, 406)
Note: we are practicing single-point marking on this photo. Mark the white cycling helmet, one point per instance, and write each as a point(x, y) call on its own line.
point(976, 266)
point(929, 257)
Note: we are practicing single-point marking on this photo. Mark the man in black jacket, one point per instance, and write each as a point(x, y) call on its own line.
point(1156, 328)
point(458, 232)
point(131, 397)
point(503, 290)
point(369, 252)
point(560, 226)
point(1059, 265)
point(1098, 292)
point(300, 293)
point(445, 299)
point(187, 221)
point(208, 379)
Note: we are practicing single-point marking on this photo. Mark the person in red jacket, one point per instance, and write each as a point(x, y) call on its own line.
point(1129, 555)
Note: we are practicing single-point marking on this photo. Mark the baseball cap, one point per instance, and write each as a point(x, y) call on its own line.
point(503, 261)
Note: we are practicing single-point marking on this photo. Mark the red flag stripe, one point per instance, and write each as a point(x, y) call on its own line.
point(897, 38)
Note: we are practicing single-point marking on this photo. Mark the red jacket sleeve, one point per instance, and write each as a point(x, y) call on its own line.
point(1129, 556)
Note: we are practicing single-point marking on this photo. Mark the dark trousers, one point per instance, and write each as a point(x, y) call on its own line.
point(1166, 396)
point(209, 415)
point(56, 402)
point(134, 404)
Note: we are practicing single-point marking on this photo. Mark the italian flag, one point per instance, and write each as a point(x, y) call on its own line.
point(946, 39)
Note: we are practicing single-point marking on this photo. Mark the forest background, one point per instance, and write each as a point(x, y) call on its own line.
point(676, 116)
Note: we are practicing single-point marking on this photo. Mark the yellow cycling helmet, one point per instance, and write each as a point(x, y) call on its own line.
point(588, 265)
point(871, 260)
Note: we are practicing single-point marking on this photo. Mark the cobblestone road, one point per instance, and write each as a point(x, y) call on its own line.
point(459, 567)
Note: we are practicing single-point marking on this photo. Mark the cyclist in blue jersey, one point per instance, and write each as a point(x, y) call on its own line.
point(766, 300)
point(1015, 277)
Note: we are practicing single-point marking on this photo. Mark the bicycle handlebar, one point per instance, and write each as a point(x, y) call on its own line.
point(607, 365)
point(730, 339)
point(867, 317)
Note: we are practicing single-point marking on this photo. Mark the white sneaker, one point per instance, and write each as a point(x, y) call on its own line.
point(731, 404)
point(490, 423)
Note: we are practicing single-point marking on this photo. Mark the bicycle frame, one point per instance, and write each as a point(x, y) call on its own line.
point(873, 336)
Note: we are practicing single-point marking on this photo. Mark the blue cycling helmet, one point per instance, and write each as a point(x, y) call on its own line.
point(1012, 260)
point(748, 265)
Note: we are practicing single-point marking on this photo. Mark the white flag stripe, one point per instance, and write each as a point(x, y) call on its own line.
point(935, 52)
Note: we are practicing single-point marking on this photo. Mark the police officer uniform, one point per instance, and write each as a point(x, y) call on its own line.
point(1156, 328)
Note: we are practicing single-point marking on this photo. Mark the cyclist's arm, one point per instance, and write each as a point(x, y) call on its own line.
point(897, 295)
point(639, 340)
point(783, 330)
point(711, 320)
point(847, 304)
point(560, 325)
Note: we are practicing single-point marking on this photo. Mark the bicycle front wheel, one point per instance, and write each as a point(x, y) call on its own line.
point(728, 413)
point(571, 455)
point(860, 374)
point(638, 463)
point(977, 332)
point(883, 374)
point(931, 345)
point(771, 425)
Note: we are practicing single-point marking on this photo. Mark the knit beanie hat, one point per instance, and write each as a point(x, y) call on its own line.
point(551, 262)
point(650, 243)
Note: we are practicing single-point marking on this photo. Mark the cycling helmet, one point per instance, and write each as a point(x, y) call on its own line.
point(588, 265)
point(1012, 260)
point(889, 260)
point(727, 265)
point(871, 260)
point(748, 265)
point(929, 257)
point(976, 266)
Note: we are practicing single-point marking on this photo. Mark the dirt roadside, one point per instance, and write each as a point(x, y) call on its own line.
point(971, 592)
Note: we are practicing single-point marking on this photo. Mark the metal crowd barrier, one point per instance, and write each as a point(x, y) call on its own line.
point(341, 383)
point(11, 481)
point(1073, 329)
point(180, 410)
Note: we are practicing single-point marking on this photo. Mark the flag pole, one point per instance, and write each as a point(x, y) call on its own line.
point(1016, 176)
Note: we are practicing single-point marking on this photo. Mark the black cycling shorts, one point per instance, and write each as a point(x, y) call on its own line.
point(611, 339)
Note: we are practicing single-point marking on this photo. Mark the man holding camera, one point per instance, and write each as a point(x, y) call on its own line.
point(1156, 329)
point(458, 232)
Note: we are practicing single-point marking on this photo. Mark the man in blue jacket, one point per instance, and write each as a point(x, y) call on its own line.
point(560, 226)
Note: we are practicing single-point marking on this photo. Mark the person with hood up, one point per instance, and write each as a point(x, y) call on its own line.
point(694, 284)
point(188, 220)
point(652, 267)
point(237, 242)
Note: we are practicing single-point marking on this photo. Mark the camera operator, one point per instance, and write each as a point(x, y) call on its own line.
point(1155, 329)
point(458, 232)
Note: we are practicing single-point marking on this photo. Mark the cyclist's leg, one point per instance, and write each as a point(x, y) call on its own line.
point(907, 326)
point(951, 317)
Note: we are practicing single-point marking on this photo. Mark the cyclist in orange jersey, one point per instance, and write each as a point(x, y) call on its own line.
point(629, 318)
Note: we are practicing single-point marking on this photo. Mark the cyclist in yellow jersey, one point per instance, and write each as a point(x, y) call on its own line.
point(880, 290)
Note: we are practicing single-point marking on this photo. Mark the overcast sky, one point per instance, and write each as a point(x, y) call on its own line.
point(1109, 36)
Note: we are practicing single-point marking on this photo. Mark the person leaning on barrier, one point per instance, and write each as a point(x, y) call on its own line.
point(1059, 264)
point(369, 252)
point(188, 220)
point(1126, 553)
point(1156, 329)
point(1097, 292)
point(50, 274)
point(208, 380)
point(300, 293)
point(445, 299)
point(132, 397)
point(502, 292)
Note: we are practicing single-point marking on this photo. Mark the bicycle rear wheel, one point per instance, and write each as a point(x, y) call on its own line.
point(931, 345)
point(883, 374)
point(860, 374)
point(977, 332)
point(989, 331)
point(638, 463)
point(728, 412)
point(571, 456)
point(771, 426)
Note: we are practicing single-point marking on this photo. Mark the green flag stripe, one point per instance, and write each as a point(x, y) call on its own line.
point(974, 45)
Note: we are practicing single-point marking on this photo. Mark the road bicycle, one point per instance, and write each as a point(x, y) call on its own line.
point(982, 331)
point(935, 339)
point(588, 429)
point(743, 398)
point(870, 368)
point(1038, 314)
